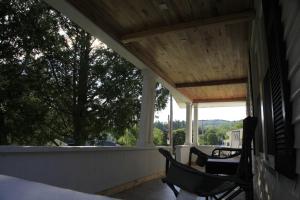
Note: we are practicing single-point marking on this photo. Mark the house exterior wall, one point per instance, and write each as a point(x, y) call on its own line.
point(268, 183)
point(234, 138)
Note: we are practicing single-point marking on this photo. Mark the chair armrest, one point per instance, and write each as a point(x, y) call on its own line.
point(237, 152)
point(201, 157)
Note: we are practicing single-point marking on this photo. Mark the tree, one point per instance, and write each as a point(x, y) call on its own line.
point(162, 126)
point(177, 124)
point(58, 81)
point(178, 137)
point(238, 124)
point(158, 137)
point(213, 139)
point(24, 35)
point(215, 134)
point(128, 139)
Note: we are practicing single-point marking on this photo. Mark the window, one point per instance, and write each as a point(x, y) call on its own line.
point(281, 131)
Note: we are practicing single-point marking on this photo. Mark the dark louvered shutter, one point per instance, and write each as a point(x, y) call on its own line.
point(283, 135)
point(268, 116)
point(258, 133)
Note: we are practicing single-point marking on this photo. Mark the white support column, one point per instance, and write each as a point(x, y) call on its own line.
point(171, 121)
point(188, 129)
point(147, 110)
point(195, 126)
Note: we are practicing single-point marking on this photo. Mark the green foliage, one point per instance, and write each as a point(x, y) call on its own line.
point(177, 124)
point(215, 135)
point(238, 125)
point(57, 81)
point(128, 139)
point(158, 137)
point(162, 126)
point(178, 137)
point(213, 139)
point(24, 35)
point(214, 132)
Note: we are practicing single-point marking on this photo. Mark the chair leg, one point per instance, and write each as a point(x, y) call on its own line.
point(173, 189)
point(233, 195)
point(211, 197)
point(249, 193)
point(227, 193)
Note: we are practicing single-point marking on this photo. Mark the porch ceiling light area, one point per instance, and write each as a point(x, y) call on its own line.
point(182, 43)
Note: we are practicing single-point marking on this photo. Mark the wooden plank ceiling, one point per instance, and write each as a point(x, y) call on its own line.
point(198, 46)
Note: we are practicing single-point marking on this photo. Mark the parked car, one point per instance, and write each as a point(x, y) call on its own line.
point(106, 143)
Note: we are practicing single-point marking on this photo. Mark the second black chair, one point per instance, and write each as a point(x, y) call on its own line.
point(210, 185)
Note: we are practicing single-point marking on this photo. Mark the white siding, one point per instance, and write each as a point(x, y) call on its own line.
point(291, 21)
point(270, 185)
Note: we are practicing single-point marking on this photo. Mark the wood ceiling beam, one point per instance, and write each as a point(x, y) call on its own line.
point(212, 83)
point(232, 99)
point(219, 20)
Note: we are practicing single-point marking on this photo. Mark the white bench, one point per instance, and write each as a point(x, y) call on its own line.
point(12, 188)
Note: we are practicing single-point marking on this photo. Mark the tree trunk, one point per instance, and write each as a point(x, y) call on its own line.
point(80, 110)
point(3, 131)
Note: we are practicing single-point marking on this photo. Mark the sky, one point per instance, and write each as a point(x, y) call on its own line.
point(226, 113)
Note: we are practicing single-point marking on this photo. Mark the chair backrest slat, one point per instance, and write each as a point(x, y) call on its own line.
point(245, 166)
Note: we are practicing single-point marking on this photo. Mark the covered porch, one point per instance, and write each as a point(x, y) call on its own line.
point(131, 173)
point(198, 50)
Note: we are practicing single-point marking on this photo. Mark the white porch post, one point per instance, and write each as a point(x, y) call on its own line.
point(195, 125)
point(147, 110)
point(171, 121)
point(188, 129)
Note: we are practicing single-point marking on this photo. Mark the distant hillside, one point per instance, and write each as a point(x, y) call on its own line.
point(211, 132)
point(181, 124)
point(215, 122)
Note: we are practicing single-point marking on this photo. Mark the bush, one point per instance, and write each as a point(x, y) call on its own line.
point(212, 138)
point(158, 136)
point(178, 137)
point(128, 139)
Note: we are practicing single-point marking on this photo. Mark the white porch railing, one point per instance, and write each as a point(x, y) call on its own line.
point(86, 169)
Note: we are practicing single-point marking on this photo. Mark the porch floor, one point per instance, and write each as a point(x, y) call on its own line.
point(153, 190)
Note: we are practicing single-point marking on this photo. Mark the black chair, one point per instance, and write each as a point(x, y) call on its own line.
point(219, 162)
point(210, 185)
point(217, 153)
point(226, 152)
